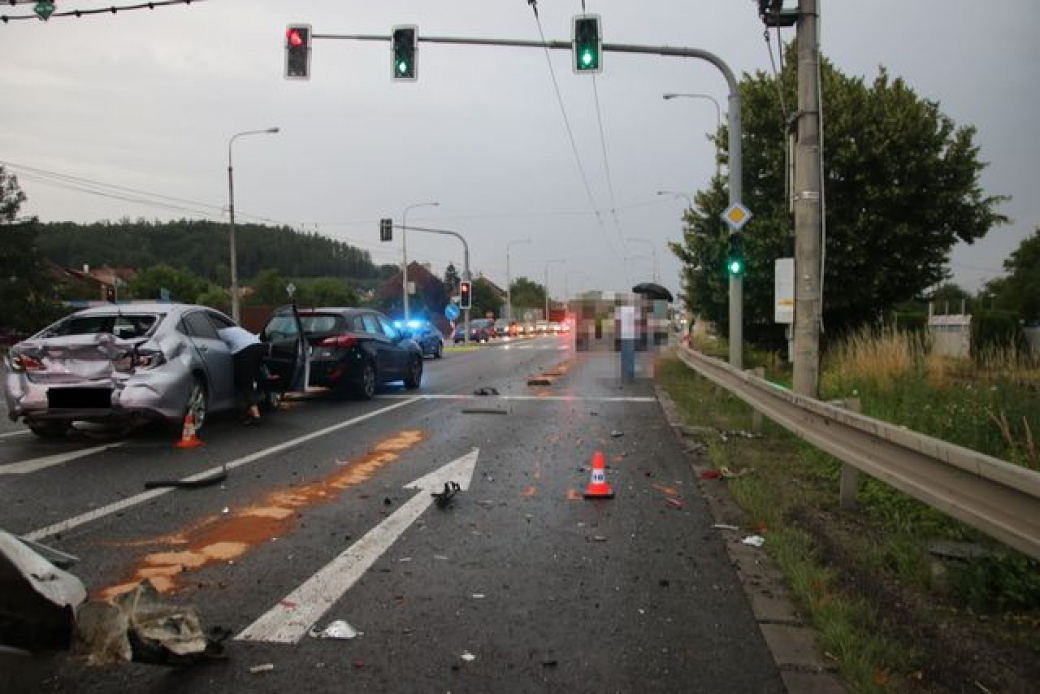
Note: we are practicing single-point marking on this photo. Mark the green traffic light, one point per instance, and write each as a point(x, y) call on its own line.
point(735, 267)
point(586, 58)
point(402, 67)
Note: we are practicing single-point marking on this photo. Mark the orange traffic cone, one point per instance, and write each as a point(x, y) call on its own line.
point(598, 487)
point(188, 437)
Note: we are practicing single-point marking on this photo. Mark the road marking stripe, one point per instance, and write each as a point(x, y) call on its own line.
point(128, 502)
point(558, 398)
point(14, 433)
point(295, 614)
point(47, 461)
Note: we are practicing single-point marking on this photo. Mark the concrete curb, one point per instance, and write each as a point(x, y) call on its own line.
point(792, 643)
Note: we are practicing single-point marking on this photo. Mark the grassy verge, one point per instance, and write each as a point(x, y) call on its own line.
point(864, 580)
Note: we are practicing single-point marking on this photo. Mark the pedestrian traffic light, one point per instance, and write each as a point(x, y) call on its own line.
point(110, 293)
point(386, 229)
point(405, 53)
point(587, 45)
point(465, 294)
point(298, 52)
point(735, 256)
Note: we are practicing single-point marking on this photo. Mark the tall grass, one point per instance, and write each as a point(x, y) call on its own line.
point(990, 404)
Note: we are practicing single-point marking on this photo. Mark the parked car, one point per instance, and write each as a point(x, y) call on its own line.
point(353, 349)
point(480, 330)
point(124, 363)
point(505, 328)
point(429, 338)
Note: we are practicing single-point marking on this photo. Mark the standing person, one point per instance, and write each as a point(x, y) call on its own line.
point(247, 351)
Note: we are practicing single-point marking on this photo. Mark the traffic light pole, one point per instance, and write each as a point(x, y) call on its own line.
point(465, 266)
point(736, 285)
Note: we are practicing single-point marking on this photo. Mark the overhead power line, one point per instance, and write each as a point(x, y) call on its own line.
point(98, 10)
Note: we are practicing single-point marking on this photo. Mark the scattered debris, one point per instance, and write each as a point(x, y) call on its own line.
point(539, 381)
point(54, 556)
point(443, 499)
point(725, 526)
point(479, 596)
point(468, 657)
point(484, 410)
point(599, 538)
point(140, 626)
point(338, 629)
point(215, 478)
point(37, 599)
point(616, 434)
point(754, 540)
point(733, 474)
point(677, 503)
point(266, 667)
point(711, 475)
point(486, 391)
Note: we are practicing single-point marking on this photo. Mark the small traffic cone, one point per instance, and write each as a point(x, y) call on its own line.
point(598, 487)
point(188, 437)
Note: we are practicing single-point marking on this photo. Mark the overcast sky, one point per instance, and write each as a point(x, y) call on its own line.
point(148, 100)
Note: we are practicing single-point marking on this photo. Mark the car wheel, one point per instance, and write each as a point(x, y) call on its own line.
point(197, 403)
point(438, 350)
point(50, 429)
point(414, 377)
point(366, 388)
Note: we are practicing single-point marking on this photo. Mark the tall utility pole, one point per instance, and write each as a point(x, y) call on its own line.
point(808, 184)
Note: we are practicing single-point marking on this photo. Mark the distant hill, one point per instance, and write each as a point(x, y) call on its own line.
point(202, 247)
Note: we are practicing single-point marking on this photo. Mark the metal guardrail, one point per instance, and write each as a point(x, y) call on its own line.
point(989, 494)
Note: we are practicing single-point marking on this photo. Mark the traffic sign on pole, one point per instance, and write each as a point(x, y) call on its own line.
point(736, 216)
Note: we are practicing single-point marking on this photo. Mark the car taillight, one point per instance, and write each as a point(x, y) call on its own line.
point(148, 359)
point(343, 341)
point(23, 362)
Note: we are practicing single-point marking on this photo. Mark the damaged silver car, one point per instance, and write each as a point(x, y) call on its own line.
point(121, 363)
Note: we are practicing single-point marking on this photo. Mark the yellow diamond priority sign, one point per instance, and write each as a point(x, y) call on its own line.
point(736, 215)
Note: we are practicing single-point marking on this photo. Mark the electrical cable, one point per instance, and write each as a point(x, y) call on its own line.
point(100, 10)
point(570, 132)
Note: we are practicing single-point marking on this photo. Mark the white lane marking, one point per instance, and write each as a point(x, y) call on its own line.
point(294, 615)
point(9, 434)
point(557, 398)
point(26, 466)
point(130, 501)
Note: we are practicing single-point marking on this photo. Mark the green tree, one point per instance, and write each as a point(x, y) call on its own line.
point(902, 188)
point(269, 289)
point(527, 294)
point(326, 291)
point(184, 286)
point(28, 288)
point(1019, 291)
point(485, 299)
point(451, 279)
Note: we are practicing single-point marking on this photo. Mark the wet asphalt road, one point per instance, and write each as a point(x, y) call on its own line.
point(520, 585)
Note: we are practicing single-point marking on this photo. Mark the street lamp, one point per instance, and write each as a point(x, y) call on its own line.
point(718, 117)
point(547, 264)
point(509, 281)
point(231, 218)
point(675, 194)
point(404, 251)
point(653, 251)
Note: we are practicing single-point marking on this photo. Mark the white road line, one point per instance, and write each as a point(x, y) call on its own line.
point(66, 525)
point(555, 398)
point(27, 466)
point(10, 434)
point(294, 615)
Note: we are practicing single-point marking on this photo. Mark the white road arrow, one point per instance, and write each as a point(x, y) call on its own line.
point(293, 616)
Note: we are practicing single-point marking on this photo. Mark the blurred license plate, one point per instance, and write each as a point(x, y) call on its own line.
point(80, 398)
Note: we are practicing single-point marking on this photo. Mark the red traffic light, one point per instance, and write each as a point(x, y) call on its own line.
point(295, 40)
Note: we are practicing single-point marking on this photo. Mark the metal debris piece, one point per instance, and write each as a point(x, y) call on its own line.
point(725, 526)
point(539, 381)
point(754, 540)
point(616, 434)
point(266, 667)
point(468, 657)
point(443, 499)
point(733, 474)
point(484, 410)
point(486, 390)
point(338, 629)
point(37, 599)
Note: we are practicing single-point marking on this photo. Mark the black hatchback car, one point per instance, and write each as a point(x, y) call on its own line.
point(351, 349)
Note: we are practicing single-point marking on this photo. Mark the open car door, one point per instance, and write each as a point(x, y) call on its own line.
point(286, 353)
